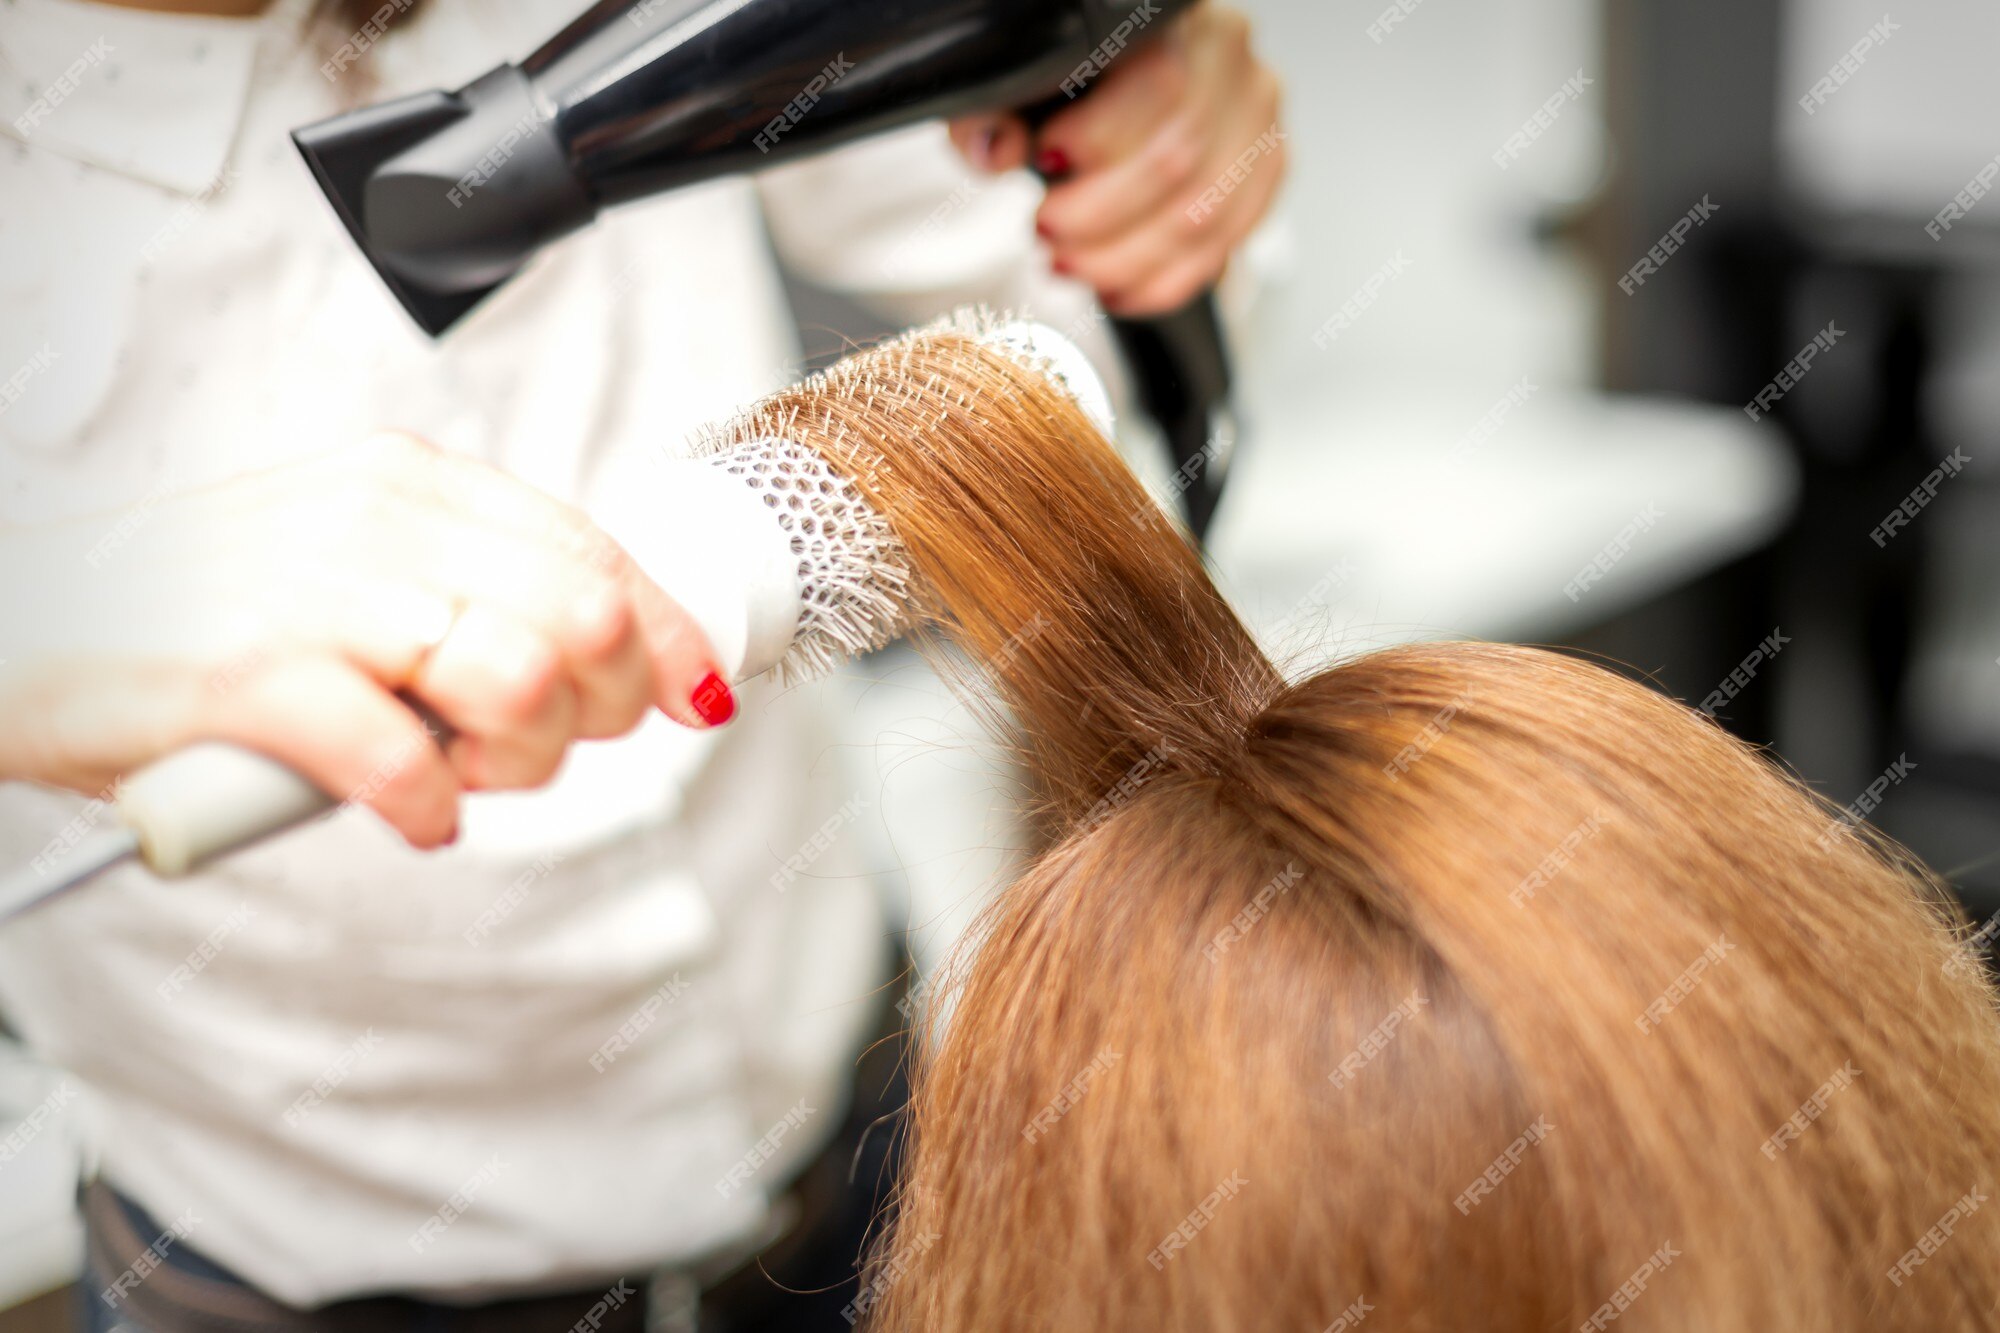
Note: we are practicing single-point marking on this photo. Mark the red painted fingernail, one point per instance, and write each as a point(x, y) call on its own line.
point(1052, 162)
point(1042, 230)
point(713, 701)
point(1061, 266)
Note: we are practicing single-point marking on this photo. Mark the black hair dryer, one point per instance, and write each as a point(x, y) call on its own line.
point(449, 194)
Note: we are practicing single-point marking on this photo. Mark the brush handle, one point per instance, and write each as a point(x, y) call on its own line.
point(198, 803)
point(212, 798)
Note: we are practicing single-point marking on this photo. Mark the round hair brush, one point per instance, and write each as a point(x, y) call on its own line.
point(766, 541)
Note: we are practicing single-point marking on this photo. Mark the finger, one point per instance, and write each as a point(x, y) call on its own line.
point(520, 757)
point(1174, 287)
point(527, 581)
point(341, 730)
point(682, 675)
point(383, 624)
point(392, 629)
point(1143, 87)
point(688, 683)
point(680, 661)
point(502, 688)
point(1191, 230)
point(1226, 95)
point(581, 609)
point(578, 592)
point(593, 633)
point(1098, 206)
point(1011, 145)
point(972, 136)
point(614, 687)
point(1205, 263)
point(459, 516)
point(503, 763)
point(991, 143)
point(673, 656)
point(1183, 280)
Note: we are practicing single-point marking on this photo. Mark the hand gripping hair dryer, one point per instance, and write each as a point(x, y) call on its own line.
point(449, 194)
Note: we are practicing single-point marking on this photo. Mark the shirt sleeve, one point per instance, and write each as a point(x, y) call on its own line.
point(900, 224)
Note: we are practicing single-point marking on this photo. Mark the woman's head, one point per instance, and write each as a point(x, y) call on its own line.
point(1456, 986)
point(1480, 984)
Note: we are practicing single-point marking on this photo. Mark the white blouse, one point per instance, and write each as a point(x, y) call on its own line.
point(542, 1056)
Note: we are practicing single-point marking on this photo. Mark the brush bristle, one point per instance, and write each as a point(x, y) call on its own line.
point(854, 576)
point(858, 592)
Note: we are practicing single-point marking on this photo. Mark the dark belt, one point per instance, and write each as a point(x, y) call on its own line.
point(178, 1290)
point(798, 1283)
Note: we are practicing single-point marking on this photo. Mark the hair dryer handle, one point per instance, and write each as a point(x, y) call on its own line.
point(1180, 370)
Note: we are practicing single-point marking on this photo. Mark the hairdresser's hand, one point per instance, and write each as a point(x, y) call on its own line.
point(1161, 171)
point(285, 610)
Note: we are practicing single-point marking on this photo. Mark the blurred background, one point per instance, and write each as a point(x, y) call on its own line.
point(1807, 185)
point(1463, 424)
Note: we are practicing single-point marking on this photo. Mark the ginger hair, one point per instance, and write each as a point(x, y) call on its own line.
point(1453, 986)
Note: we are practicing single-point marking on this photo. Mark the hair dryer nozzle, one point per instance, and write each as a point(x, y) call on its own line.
point(448, 194)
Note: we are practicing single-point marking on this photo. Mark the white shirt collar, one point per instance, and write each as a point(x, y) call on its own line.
point(157, 97)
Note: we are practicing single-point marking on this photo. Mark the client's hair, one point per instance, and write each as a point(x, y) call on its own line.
point(1456, 987)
